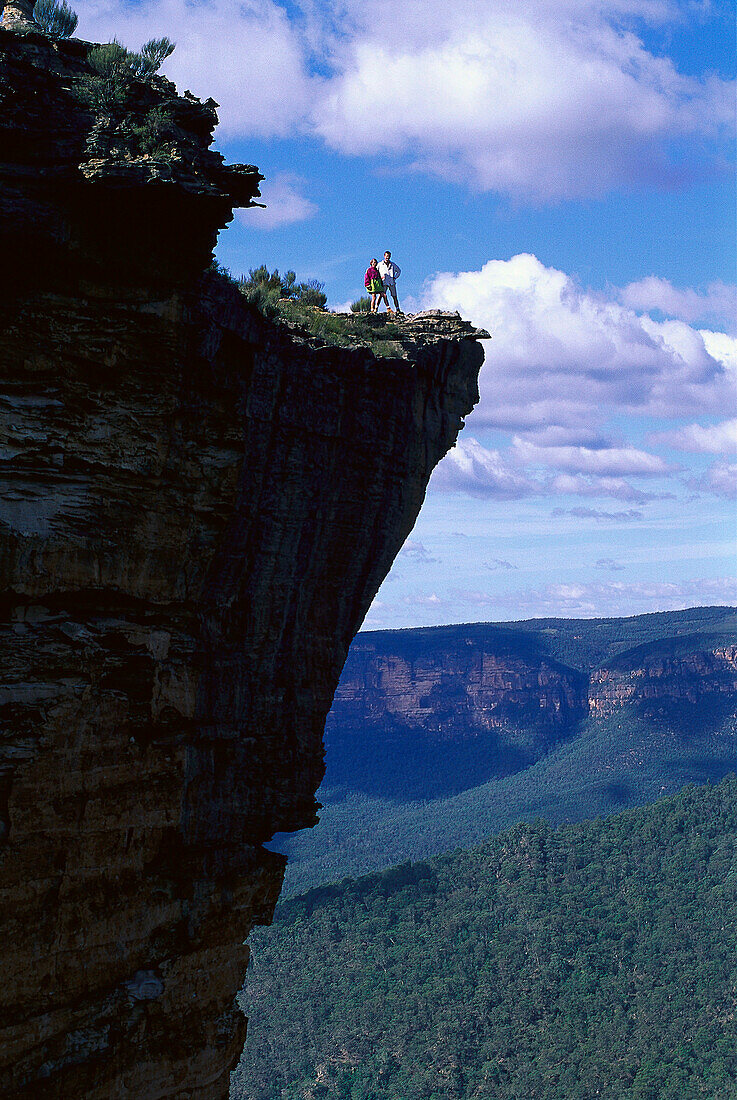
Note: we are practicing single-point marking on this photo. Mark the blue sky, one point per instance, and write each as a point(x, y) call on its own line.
point(562, 172)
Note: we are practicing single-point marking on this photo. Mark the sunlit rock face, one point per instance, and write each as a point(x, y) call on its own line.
point(196, 509)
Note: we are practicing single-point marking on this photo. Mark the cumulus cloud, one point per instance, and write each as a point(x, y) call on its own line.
point(619, 597)
point(416, 552)
point(246, 54)
point(285, 204)
point(472, 468)
point(720, 479)
point(578, 600)
point(542, 101)
point(608, 461)
point(711, 439)
point(617, 487)
point(610, 564)
point(546, 101)
point(563, 358)
point(718, 303)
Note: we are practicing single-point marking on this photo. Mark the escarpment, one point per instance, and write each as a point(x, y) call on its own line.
point(454, 706)
point(196, 509)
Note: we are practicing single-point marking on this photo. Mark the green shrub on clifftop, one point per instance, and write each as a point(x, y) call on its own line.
point(56, 18)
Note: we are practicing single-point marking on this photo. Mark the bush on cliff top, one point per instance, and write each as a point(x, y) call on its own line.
point(56, 18)
point(114, 69)
point(301, 305)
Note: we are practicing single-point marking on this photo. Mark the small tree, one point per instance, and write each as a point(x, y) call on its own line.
point(311, 293)
point(362, 305)
point(152, 55)
point(55, 17)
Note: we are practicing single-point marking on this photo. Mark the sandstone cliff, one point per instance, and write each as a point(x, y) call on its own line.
point(196, 508)
point(429, 712)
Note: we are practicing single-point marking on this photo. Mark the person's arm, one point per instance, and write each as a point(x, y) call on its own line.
point(397, 271)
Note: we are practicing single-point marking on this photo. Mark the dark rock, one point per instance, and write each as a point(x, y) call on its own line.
point(196, 510)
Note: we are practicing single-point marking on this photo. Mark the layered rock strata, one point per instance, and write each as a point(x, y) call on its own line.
point(687, 678)
point(452, 685)
point(196, 508)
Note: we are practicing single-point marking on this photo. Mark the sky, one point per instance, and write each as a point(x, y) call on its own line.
point(561, 172)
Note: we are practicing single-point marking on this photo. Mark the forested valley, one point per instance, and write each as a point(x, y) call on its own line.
point(401, 787)
point(592, 960)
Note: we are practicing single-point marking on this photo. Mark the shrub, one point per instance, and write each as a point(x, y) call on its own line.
point(362, 305)
point(312, 293)
point(114, 70)
point(56, 18)
point(152, 55)
point(152, 132)
point(263, 285)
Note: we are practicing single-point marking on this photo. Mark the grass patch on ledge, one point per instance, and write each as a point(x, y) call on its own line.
point(301, 308)
point(342, 329)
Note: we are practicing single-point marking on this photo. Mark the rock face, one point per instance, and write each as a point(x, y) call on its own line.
point(657, 680)
point(428, 712)
point(196, 509)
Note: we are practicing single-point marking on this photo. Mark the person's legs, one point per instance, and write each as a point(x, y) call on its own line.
point(393, 290)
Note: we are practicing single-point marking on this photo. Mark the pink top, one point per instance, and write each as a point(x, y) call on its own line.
point(371, 273)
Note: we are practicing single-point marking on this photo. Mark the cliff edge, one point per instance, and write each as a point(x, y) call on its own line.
point(196, 509)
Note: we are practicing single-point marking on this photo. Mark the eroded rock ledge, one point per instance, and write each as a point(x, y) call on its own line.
point(195, 512)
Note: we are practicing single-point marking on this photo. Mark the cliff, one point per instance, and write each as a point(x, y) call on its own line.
point(430, 712)
point(659, 680)
point(196, 508)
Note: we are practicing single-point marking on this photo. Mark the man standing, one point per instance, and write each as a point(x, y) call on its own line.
point(390, 272)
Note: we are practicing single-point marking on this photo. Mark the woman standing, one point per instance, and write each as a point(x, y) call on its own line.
point(374, 285)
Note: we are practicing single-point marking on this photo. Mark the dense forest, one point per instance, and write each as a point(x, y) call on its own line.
point(595, 960)
point(602, 765)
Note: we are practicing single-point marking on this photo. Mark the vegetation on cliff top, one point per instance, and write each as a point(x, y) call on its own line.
point(593, 960)
point(302, 307)
point(56, 18)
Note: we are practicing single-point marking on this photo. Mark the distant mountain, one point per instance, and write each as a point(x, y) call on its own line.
point(592, 961)
point(440, 736)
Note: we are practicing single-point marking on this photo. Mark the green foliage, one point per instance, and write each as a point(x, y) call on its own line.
point(264, 288)
point(301, 305)
point(55, 17)
point(151, 134)
point(115, 69)
point(152, 55)
point(382, 807)
point(595, 960)
point(361, 305)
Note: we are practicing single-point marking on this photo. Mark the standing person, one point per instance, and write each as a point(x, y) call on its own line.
point(374, 285)
point(390, 272)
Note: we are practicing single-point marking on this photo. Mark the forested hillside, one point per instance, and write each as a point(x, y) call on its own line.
point(596, 960)
point(414, 770)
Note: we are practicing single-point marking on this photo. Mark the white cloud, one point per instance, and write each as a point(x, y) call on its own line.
point(542, 101)
point(609, 564)
point(617, 487)
point(565, 358)
point(246, 54)
point(712, 439)
point(718, 302)
point(601, 517)
point(416, 552)
point(473, 469)
point(720, 479)
point(608, 461)
point(546, 101)
point(585, 600)
point(285, 204)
